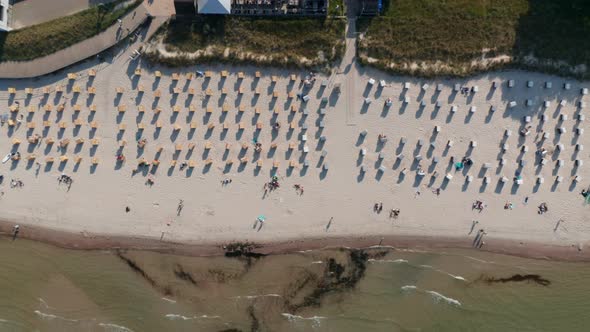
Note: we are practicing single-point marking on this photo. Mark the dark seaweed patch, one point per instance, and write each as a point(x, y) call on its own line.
point(180, 273)
point(518, 278)
point(242, 249)
point(221, 276)
point(336, 278)
point(255, 324)
point(137, 269)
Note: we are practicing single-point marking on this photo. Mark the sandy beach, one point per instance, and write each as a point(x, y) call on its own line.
point(228, 115)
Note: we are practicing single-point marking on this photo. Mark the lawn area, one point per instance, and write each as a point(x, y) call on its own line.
point(49, 37)
point(441, 37)
point(275, 41)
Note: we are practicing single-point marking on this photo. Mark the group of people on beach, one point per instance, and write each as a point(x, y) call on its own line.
point(15, 183)
point(273, 184)
point(478, 205)
point(65, 179)
point(298, 189)
point(393, 213)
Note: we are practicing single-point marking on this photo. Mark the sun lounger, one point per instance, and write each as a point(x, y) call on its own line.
point(95, 161)
point(91, 73)
point(210, 126)
point(93, 124)
point(157, 93)
point(208, 145)
point(175, 77)
point(193, 125)
point(72, 76)
point(224, 73)
point(49, 160)
point(122, 108)
point(119, 90)
point(63, 125)
point(78, 122)
point(158, 74)
point(92, 108)
point(208, 74)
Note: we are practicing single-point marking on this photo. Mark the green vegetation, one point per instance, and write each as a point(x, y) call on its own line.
point(301, 42)
point(336, 8)
point(460, 37)
point(49, 37)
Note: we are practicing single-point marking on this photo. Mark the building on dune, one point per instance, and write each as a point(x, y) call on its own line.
point(253, 7)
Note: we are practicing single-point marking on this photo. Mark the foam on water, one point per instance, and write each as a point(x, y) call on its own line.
point(439, 297)
point(47, 316)
point(315, 320)
point(457, 277)
point(250, 297)
point(181, 317)
point(168, 300)
point(317, 262)
point(396, 261)
point(114, 327)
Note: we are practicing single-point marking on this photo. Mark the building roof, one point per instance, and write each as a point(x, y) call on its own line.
point(214, 6)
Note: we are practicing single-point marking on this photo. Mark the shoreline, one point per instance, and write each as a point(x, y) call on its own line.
point(85, 241)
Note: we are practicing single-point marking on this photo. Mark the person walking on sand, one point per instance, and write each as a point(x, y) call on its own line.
point(180, 206)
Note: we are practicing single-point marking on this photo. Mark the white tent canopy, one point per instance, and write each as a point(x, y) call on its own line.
point(214, 6)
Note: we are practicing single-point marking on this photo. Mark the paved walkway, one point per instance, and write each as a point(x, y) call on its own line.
point(82, 50)
point(31, 12)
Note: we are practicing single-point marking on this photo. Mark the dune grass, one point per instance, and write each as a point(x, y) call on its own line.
point(49, 37)
point(431, 37)
point(276, 41)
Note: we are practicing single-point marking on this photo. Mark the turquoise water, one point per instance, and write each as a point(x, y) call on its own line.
point(45, 288)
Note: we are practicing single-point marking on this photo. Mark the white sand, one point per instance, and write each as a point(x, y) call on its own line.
point(214, 213)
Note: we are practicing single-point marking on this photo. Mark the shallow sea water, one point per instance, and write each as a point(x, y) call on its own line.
point(44, 288)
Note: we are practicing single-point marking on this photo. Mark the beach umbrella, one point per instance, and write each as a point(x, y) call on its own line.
point(261, 218)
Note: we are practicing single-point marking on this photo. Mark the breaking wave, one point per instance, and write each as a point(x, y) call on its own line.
point(397, 261)
point(250, 297)
point(114, 327)
point(438, 297)
point(315, 320)
point(181, 317)
point(47, 316)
